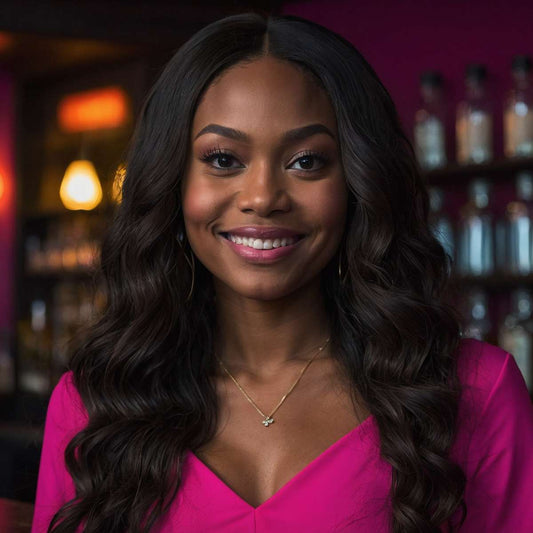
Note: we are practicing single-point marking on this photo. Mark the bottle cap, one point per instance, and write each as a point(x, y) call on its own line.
point(476, 72)
point(436, 199)
point(521, 63)
point(478, 190)
point(431, 78)
point(478, 303)
point(521, 301)
point(524, 185)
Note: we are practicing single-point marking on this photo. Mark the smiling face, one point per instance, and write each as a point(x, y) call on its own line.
point(264, 156)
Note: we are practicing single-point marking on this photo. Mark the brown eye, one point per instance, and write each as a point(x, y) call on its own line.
point(309, 160)
point(223, 159)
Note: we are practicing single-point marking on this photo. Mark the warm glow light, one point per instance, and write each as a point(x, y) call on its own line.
point(2, 186)
point(80, 188)
point(120, 174)
point(93, 110)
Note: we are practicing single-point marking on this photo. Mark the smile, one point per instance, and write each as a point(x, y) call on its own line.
point(262, 250)
point(262, 244)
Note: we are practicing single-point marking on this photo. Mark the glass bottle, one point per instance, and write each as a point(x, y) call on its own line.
point(518, 227)
point(429, 129)
point(477, 323)
point(35, 352)
point(440, 222)
point(501, 245)
point(475, 254)
point(474, 119)
point(516, 333)
point(518, 111)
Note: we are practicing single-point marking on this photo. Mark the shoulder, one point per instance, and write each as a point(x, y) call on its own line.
point(66, 408)
point(492, 384)
point(494, 440)
point(481, 366)
point(495, 400)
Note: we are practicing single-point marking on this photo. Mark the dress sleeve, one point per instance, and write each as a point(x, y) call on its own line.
point(65, 417)
point(500, 486)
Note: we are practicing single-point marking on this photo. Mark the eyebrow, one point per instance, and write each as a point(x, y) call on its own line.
point(297, 134)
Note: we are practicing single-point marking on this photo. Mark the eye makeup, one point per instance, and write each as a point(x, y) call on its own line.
point(216, 153)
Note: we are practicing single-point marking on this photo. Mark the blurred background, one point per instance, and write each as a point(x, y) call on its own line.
point(73, 76)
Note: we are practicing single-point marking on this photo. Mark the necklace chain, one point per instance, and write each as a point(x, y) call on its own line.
point(267, 419)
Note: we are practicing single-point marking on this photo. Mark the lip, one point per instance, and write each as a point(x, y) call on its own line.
point(263, 232)
point(262, 256)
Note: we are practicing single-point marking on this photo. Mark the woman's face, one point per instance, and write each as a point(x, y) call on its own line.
point(264, 166)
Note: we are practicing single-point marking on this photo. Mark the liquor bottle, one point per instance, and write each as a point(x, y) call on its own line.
point(429, 130)
point(477, 323)
point(518, 111)
point(475, 251)
point(519, 227)
point(65, 320)
point(441, 226)
point(35, 350)
point(474, 119)
point(516, 333)
point(34, 254)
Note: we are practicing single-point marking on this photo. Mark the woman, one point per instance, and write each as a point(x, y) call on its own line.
point(275, 354)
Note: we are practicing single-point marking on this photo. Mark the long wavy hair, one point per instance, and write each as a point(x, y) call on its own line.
point(143, 367)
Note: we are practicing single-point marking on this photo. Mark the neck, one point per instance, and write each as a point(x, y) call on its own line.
point(264, 337)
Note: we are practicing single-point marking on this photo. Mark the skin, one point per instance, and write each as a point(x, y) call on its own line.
point(271, 317)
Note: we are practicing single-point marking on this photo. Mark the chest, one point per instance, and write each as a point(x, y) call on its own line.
point(256, 461)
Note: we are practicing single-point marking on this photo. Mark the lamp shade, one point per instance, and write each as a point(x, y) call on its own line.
point(96, 109)
point(80, 188)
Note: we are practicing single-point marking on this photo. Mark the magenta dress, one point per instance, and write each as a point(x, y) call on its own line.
point(344, 489)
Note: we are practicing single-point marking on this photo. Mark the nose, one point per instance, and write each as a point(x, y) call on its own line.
point(264, 191)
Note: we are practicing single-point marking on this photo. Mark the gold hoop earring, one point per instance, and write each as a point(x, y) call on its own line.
point(191, 264)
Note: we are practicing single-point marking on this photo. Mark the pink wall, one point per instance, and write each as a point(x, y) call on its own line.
point(401, 38)
point(7, 201)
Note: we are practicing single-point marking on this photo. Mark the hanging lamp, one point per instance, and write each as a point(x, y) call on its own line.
point(80, 188)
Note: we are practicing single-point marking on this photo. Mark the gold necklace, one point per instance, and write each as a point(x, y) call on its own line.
point(267, 419)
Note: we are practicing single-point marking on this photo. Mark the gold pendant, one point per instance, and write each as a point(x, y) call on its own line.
point(267, 421)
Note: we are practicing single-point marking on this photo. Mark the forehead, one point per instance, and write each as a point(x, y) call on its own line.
point(265, 93)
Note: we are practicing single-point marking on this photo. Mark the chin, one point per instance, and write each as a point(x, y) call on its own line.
point(264, 292)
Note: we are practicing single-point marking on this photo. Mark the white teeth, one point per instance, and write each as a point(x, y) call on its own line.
point(260, 244)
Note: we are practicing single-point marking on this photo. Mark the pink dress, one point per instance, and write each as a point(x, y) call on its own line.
point(345, 488)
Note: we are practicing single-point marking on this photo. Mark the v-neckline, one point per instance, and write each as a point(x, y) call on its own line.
point(319, 458)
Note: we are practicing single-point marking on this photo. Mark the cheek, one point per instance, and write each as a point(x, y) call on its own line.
point(199, 206)
point(333, 208)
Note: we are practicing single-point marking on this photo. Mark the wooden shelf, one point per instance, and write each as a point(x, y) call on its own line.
point(498, 169)
point(495, 281)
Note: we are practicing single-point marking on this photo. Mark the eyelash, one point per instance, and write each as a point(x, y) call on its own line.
point(211, 154)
